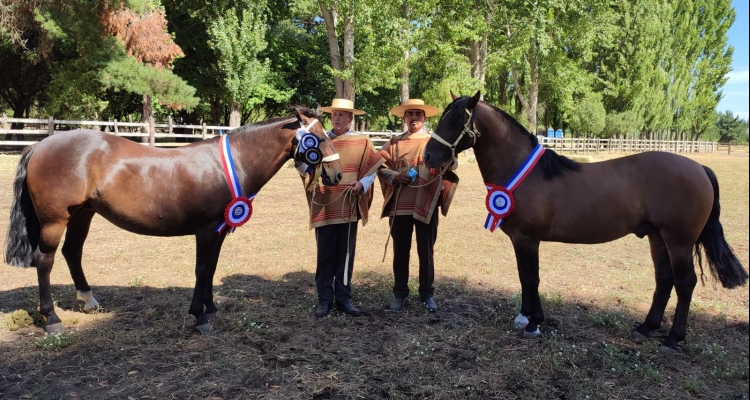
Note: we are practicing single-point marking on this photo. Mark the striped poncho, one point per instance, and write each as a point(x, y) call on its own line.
point(339, 204)
point(421, 197)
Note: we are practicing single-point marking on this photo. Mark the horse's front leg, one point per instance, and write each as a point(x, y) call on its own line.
point(527, 259)
point(207, 249)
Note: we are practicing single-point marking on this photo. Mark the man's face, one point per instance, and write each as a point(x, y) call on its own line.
point(341, 121)
point(414, 120)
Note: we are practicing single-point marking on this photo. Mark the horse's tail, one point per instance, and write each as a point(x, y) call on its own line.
point(23, 231)
point(721, 259)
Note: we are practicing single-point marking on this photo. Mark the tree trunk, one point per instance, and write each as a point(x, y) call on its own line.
point(234, 114)
point(478, 54)
point(215, 110)
point(529, 105)
point(148, 113)
point(349, 56)
point(331, 19)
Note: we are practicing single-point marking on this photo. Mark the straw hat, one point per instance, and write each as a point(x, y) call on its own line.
point(414, 104)
point(342, 105)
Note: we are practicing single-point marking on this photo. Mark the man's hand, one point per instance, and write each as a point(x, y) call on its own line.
point(357, 186)
point(402, 178)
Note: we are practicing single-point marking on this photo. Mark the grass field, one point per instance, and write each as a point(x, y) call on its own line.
point(266, 343)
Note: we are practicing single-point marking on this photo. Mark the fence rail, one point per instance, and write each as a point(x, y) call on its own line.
point(166, 134)
point(624, 145)
point(157, 134)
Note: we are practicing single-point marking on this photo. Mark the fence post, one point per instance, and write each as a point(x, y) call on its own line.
point(203, 130)
point(51, 126)
point(151, 132)
point(170, 125)
point(729, 149)
point(117, 133)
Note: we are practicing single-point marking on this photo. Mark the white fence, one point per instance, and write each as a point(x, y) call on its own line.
point(163, 132)
point(163, 135)
point(595, 146)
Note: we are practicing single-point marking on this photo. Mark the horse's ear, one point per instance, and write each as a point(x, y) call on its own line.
point(297, 113)
point(453, 96)
point(474, 100)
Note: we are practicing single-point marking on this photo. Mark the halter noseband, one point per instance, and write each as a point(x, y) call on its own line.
point(469, 129)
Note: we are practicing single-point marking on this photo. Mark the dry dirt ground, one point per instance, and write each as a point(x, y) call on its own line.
point(266, 343)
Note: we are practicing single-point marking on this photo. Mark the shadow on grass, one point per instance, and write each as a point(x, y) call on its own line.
point(267, 343)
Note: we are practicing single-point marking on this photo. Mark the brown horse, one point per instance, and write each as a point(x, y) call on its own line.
point(65, 179)
point(669, 198)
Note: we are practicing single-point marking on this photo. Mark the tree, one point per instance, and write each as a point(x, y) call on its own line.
point(730, 128)
point(145, 38)
point(588, 116)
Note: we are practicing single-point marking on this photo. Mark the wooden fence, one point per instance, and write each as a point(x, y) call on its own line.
point(165, 135)
point(161, 134)
point(595, 146)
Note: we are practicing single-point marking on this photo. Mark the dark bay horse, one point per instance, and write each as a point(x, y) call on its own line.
point(669, 198)
point(62, 181)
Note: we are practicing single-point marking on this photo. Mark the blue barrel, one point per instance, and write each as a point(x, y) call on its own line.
point(550, 132)
point(559, 133)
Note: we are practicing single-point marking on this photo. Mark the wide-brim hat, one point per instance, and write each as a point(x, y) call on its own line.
point(415, 104)
point(342, 105)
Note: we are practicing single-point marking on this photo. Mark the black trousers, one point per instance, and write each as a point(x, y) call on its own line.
point(401, 232)
point(333, 242)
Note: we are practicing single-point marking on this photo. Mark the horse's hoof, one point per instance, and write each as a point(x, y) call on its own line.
point(521, 321)
point(531, 335)
point(205, 328)
point(668, 350)
point(91, 303)
point(639, 337)
point(213, 315)
point(54, 328)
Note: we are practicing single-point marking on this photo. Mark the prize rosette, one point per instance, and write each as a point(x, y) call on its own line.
point(309, 141)
point(500, 204)
point(238, 211)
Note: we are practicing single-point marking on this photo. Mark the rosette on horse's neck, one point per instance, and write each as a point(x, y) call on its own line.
point(500, 201)
point(240, 209)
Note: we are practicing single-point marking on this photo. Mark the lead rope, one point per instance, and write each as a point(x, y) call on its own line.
point(398, 193)
point(351, 198)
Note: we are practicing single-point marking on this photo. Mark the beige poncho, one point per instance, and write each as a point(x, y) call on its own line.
point(419, 198)
point(339, 204)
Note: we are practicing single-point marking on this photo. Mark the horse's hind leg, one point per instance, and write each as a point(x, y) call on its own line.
point(684, 284)
point(72, 250)
point(664, 283)
point(44, 259)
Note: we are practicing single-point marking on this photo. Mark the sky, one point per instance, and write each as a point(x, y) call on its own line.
point(737, 89)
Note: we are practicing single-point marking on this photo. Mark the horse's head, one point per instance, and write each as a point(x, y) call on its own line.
point(312, 146)
point(455, 132)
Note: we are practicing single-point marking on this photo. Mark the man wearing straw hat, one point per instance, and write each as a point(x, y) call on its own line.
point(335, 210)
point(412, 194)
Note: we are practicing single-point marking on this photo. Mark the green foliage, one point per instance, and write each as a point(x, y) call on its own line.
point(56, 341)
point(621, 123)
point(588, 116)
point(730, 128)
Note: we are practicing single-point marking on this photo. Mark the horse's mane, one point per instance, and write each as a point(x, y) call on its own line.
point(258, 125)
point(552, 164)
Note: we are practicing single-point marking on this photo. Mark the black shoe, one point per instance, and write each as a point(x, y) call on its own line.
point(347, 307)
point(430, 304)
point(322, 310)
point(397, 304)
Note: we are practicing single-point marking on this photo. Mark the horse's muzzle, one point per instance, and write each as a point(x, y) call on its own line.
point(430, 160)
point(331, 181)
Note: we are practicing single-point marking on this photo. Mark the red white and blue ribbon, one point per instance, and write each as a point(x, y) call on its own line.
point(500, 202)
point(240, 209)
